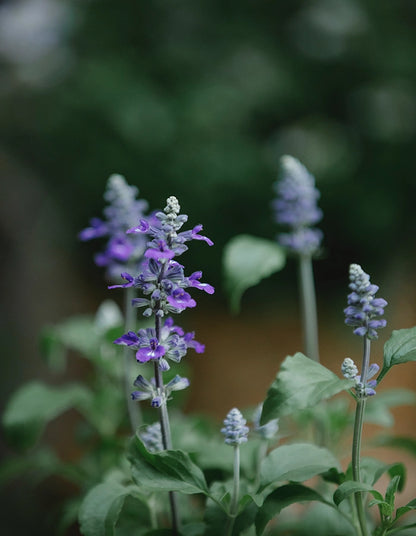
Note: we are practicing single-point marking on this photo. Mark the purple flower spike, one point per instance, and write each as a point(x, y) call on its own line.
point(363, 308)
point(296, 207)
point(235, 430)
point(121, 213)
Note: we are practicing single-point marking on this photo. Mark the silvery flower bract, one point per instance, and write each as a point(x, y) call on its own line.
point(152, 437)
point(296, 207)
point(123, 211)
point(364, 310)
point(235, 430)
point(350, 372)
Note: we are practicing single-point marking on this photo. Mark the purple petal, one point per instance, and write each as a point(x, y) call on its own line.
point(128, 339)
point(143, 227)
point(129, 278)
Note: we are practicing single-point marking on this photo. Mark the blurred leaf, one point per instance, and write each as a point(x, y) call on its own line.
point(405, 443)
point(216, 516)
point(101, 507)
point(246, 261)
point(170, 470)
point(35, 404)
point(404, 509)
point(400, 348)
point(300, 383)
point(348, 488)
point(282, 497)
point(377, 410)
point(297, 462)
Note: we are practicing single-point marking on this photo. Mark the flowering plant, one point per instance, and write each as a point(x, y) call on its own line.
point(146, 468)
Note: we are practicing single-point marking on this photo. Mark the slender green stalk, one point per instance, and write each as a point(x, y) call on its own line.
point(133, 407)
point(308, 305)
point(356, 442)
point(165, 429)
point(261, 454)
point(235, 493)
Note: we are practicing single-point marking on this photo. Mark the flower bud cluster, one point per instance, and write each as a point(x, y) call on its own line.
point(235, 430)
point(364, 310)
point(362, 388)
point(296, 207)
point(122, 211)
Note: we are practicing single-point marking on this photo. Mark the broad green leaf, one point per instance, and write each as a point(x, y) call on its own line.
point(35, 404)
point(216, 516)
point(400, 348)
point(406, 530)
point(170, 470)
point(392, 490)
point(300, 383)
point(372, 470)
point(378, 409)
point(348, 488)
point(246, 261)
point(282, 497)
point(297, 462)
point(101, 507)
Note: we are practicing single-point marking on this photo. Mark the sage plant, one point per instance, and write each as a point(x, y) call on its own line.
point(296, 208)
point(235, 433)
point(364, 314)
point(163, 283)
point(121, 252)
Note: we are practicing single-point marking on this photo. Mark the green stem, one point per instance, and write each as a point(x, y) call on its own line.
point(356, 442)
point(308, 305)
point(133, 407)
point(235, 494)
point(261, 454)
point(165, 429)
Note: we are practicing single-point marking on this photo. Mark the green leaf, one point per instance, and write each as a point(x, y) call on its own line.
point(405, 443)
point(300, 383)
point(35, 404)
point(378, 410)
point(169, 470)
point(101, 508)
point(400, 348)
point(348, 488)
point(404, 509)
point(392, 490)
point(297, 462)
point(246, 261)
point(281, 498)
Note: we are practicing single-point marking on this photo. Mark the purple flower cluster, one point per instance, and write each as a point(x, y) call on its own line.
point(123, 211)
point(173, 344)
point(296, 207)
point(364, 310)
point(350, 372)
point(162, 279)
point(163, 283)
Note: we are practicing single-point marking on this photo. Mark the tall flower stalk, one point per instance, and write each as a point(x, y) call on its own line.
point(121, 252)
point(162, 282)
point(363, 314)
point(296, 208)
point(235, 433)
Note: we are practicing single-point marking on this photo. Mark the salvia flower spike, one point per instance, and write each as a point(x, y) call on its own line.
point(364, 309)
point(235, 430)
point(123, 211)
point(296, 207)
point(350, 372)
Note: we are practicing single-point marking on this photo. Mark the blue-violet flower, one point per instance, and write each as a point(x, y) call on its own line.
point(350, 372)
point(157, 395)
point(123, 211)
point(235, 430)
point(296, 207)
point(364, 310)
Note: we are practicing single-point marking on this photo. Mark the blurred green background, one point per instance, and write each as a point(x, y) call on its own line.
point(199, 99)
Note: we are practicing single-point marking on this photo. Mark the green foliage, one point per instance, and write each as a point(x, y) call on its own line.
point(35, 404)
point(300, 383)
point(246, 261)
point(297, 463)
point(378, 412)
point(165, 471)
point(281, 498)
point(400, 348)
point(103, 504)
